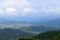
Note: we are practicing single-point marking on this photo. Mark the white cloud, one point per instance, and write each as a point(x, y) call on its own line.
point(10, 10)
point(1, 11)
point(30, 6)
point(52, 9)
point(10, 6)
point(46, 5)
point(15, 3)
point(27, 9)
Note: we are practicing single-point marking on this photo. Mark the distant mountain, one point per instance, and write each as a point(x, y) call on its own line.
point(31, 21)
point(55, 22)
point(11, 22)
point(13, 34)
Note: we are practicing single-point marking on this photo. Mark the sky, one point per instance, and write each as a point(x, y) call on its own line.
point(27, 7)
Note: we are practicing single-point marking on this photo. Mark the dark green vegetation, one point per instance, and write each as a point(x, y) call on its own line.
point(50, 35)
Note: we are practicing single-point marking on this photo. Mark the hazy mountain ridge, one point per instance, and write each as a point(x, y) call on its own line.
point(55, 22)
point(39, 28)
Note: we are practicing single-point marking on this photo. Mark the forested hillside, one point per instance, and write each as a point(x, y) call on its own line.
point(50, 35)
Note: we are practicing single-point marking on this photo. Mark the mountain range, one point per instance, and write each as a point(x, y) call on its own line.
point(27, 29)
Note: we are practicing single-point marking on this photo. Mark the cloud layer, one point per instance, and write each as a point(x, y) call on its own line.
point(24, 7)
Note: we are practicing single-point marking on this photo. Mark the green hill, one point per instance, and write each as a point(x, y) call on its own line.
point(50, 35)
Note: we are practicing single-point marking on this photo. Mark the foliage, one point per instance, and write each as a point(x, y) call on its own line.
point(50, 35)
point(27, 39)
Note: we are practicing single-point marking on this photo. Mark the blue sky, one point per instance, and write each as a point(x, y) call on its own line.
point(26, 7)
